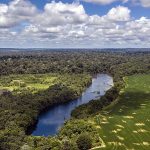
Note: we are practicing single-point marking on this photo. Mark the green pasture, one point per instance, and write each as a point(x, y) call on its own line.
point(126, 124)
point(28, 82)
point(36, 82)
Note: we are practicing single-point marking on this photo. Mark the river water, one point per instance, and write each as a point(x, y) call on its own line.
point(50, 121)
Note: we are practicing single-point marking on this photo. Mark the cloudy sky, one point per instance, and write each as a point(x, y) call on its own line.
point(74, 24)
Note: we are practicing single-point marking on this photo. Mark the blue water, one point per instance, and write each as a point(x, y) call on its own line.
point(50, 121)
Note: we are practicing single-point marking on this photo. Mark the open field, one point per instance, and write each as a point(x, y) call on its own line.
point(126, 125)
point(29, 82)
point(37, 82)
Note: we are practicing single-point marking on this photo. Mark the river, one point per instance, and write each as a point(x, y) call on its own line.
point(50, 121)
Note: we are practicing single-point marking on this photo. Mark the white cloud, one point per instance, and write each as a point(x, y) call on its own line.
point(119, 13)
point(62, 24)
point(22, 8)
point(60, 13)
point(104, 2)
point(3, 8)
point(16, 12)
point(145, 3)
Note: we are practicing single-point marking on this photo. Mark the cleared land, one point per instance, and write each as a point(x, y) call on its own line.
point(126, 125)
point(34, 83)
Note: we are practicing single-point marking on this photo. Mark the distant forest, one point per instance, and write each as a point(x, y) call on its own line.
point(21, 62)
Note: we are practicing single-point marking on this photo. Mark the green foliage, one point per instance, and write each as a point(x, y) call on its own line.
point(68, 145)
point(95, 106)
point(84, 142)
point(43, 143)
point(30, 83)
point(74, 128)
point(74, 62)
point(19, 111)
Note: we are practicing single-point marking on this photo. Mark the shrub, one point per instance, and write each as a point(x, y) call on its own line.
point(84, 142)
point(67, 145)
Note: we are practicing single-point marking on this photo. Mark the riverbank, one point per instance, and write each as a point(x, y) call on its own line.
point(95, 106)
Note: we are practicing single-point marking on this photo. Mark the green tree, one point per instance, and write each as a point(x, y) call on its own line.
point(84, 142)
point(67, 145)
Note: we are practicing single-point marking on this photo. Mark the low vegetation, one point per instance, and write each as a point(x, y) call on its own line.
point(126, 125)
point(34, 83)
point(84, 142)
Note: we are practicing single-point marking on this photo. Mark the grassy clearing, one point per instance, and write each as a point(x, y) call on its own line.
point(126, 125)
point(37, 82)
point(28, 82)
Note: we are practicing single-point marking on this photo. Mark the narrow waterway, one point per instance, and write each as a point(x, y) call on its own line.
point(50, 121)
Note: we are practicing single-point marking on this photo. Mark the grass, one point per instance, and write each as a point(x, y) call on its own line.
point(126, 124)
point(29, 82)
point(36, 82)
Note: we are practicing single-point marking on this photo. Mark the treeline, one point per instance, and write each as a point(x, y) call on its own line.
point(74, 62)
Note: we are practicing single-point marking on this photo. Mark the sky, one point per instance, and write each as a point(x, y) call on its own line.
point(75, 23)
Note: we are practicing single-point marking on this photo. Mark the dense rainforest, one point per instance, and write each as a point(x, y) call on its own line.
point(73, 62)
point(73, 70)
